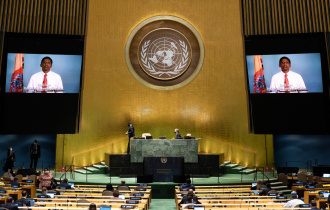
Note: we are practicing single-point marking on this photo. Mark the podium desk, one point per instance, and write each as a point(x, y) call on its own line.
point(186, 148)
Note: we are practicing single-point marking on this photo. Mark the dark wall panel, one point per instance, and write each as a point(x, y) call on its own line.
point(21, 146)
point(296, 150)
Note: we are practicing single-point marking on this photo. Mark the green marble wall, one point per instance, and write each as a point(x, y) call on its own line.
point(187, 148)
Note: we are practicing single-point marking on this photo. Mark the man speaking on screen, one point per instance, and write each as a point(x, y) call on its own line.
point(45, 79)
point(286, 79)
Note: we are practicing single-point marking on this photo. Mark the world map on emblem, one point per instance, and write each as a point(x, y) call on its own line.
point(164, 54)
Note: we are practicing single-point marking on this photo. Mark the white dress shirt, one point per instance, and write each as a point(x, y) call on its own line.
point(54, 81)
point(296, 82)
point(293, 203)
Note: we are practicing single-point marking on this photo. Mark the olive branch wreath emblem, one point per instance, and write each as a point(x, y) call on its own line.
point(152, 70)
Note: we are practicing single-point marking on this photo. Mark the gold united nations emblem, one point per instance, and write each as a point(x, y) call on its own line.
point(164, 52)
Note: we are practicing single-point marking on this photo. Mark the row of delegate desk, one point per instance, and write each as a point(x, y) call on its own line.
point(231, 196)
point(70, 198)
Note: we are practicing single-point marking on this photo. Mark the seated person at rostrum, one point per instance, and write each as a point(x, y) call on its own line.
point(177, 134)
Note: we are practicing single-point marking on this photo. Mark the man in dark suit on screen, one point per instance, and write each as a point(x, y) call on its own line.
point(130, 134)
point(34, 153)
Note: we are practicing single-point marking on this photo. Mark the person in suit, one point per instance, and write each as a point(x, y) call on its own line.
point(187, 185)
point(43, 193)
point(23, 200)
point(9, 204)
point(34, 153)
point(64, 184)
point(313, 205)
point(177, 134)
point(266, 190)
point(123, 183)
point(194, 197)
point(314, 181)
point(130, 134)
point(15, 183)
point(10, 161)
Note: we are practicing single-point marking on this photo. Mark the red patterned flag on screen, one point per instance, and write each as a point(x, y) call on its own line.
point(16, 84)
point(259, 79)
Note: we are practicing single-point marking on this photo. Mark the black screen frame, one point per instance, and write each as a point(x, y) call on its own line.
point(289, 113)
point(40, 113)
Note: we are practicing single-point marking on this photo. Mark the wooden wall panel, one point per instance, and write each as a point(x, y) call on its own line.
point(262, 17)
point(65, 17)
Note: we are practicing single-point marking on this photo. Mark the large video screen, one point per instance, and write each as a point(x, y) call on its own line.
point(269, 73)
point(26, 73)
point(40, 83)
point(287, 83)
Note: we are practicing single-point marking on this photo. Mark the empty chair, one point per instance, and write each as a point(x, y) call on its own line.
point(318, 179)
point(107, 193)
point(7, 175)
point(33, 178)
point(272, 191)
point(319, 185)
point(302, 177)
point(123, 188)
point(19, 177)
point(283, 178)
point(82, 202)
point(3, 189)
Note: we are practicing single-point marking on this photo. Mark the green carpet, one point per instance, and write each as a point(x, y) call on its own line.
point(162, 204)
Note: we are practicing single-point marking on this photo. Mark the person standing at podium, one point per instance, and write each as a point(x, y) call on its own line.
point(130, 134)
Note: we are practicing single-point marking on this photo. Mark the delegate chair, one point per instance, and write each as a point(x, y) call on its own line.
point(283, 178)
point(19, 177)
point(82, 202)
point(107, 193)
point(123, 188)
point(302, 177)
